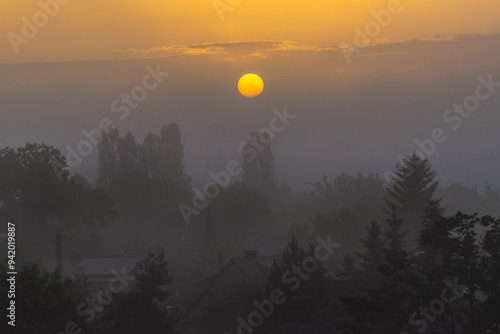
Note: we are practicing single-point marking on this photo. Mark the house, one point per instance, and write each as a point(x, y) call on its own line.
point(245, 275)
point(240, 278)
point(102, 272)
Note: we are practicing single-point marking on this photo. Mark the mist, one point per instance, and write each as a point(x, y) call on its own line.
point(144, 194)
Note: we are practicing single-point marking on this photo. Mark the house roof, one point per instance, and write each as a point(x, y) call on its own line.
point(102, 266)
point(255, 266)
point(252, 267)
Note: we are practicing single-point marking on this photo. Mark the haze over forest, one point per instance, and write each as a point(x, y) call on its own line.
point(355, 174)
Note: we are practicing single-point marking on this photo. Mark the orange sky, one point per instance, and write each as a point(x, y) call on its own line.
point(117, 29)
point(428, 58)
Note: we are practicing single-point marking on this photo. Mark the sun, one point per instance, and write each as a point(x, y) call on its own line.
point(250, 85)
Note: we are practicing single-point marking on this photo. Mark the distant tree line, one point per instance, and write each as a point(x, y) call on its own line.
point(403, 242)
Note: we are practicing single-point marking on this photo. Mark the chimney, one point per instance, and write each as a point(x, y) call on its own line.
point(59, 254)
point(251, 254)
point(221, 261)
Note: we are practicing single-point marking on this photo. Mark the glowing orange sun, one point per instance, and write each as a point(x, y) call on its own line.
point(250, 85)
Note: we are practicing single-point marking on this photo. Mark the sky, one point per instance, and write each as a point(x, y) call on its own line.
point(356, 110)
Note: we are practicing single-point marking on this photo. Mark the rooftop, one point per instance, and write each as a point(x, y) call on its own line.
point(102, 266)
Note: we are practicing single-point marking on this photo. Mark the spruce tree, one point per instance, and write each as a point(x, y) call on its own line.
point(348, 265)
point(413, 185)
point(394, 234)
point(303, 288)
point(375, 247)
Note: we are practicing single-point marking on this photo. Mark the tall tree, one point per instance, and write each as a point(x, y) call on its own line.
point(107, 172)
point(171, 142)
point(348, 265)
point(37, 189)
point(413, 184)
point(127, 152)
point(28, 174)
point(142, 309)
point(394, 234)
point(303, 288)
point(159, 157)
point(374, 246)
point(147, 181)
point(258, 167)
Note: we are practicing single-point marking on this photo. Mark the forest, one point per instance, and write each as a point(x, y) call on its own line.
point(359, 254)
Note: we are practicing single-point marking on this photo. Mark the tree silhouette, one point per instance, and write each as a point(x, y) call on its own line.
point(348, 265)
point(374, 245)
point(44, 303)
point(360, 193)
point(456, 293)
point(127, 152)
point(394, 235)
point(304, 290)
point(159, 157)
point(107, 171)
point(412, 186)
point(139, 310)
point(258, 168)
point(147, 182)
point(37, 190)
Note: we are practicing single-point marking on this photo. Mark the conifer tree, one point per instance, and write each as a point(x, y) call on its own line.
point(303, 288)
point(375, 247)
point(394, 234)
point(348, 265)
point(411, 187)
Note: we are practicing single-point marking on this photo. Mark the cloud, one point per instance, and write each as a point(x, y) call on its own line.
point(267, 48)
point(383, 47)
point(229, 49)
